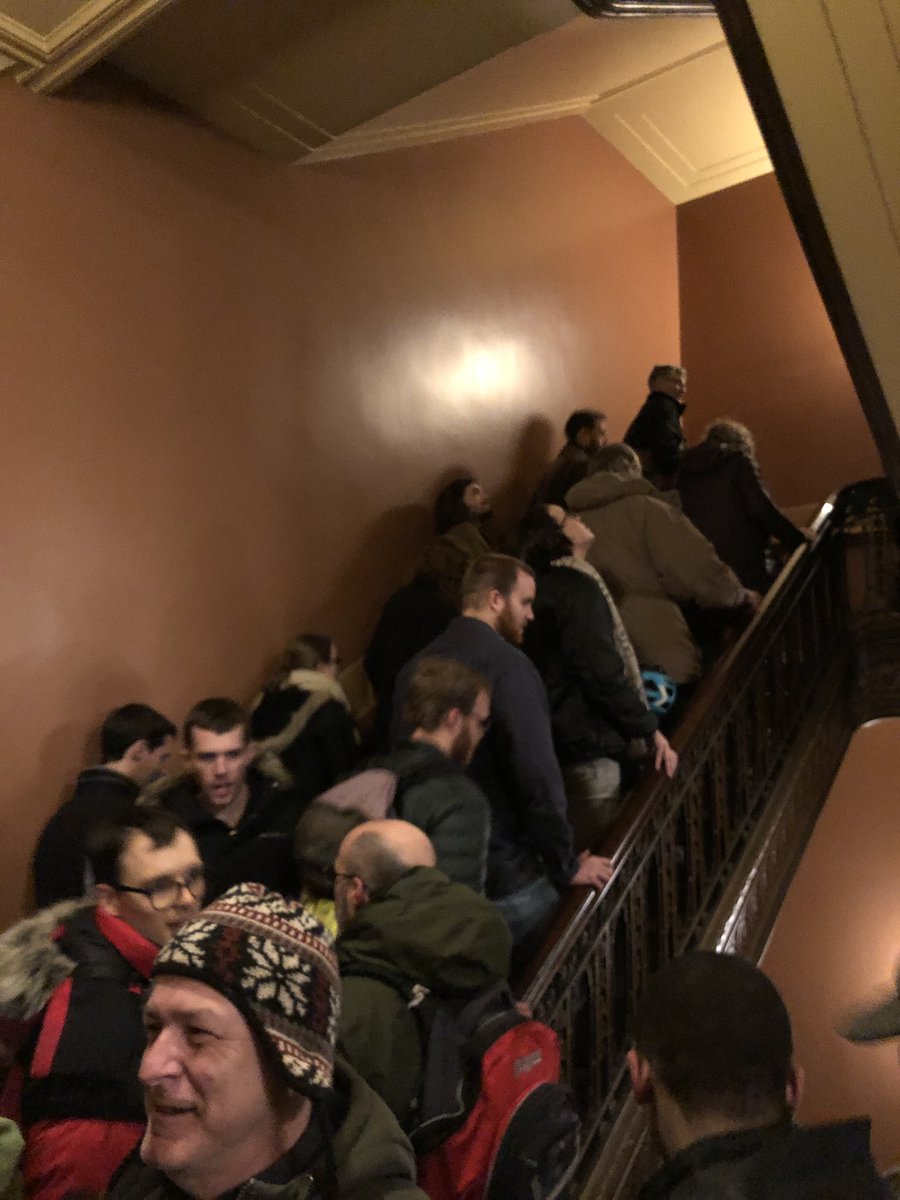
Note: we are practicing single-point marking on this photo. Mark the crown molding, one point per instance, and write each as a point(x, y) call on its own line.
point(45, 62)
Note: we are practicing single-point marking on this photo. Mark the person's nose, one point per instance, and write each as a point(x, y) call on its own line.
point(160, 1061)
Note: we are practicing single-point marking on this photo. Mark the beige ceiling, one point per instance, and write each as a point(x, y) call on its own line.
point(49, 42)
point(665, 92)
point(331, 79)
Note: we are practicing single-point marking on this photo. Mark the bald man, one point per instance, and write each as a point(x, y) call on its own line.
point(403, 923)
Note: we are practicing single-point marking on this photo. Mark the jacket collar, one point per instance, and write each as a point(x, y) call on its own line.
point(680, 405)
point(133, 946)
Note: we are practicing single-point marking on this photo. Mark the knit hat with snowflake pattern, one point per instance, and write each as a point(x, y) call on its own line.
point(277, 966)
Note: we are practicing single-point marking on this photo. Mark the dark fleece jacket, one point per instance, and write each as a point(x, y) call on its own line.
point(260, 847)
point(656, 433)
point(722, 493)
point(424, 930)
point(60, 861)
point(779, 1162)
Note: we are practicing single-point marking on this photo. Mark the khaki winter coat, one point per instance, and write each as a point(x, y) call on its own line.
point(652, 558)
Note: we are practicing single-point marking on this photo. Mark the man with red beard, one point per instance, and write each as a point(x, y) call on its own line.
point(530, 856)
point(448, 709)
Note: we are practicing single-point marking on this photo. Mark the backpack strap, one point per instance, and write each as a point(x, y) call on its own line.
point(424, 1009)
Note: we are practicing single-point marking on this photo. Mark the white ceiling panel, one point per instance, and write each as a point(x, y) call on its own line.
point(689, 128)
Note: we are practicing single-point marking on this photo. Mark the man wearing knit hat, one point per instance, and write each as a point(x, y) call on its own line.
point(240, 1082)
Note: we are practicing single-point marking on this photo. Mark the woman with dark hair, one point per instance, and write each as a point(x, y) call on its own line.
point(579, 645)
point(302, 717)
point(463, 499)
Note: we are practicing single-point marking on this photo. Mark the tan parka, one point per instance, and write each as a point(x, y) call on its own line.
point(652, 558)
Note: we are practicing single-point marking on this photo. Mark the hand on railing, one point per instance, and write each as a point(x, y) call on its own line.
point(594, 871)
point(752, 600)
point(664, 757)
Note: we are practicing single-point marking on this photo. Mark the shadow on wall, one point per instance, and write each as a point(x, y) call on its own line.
point(66, 743)
point(536, 443)
point(386, 540)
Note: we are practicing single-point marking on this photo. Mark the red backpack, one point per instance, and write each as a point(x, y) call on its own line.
point(492, 1120)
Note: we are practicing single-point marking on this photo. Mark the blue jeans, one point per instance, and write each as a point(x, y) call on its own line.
point(528, 910)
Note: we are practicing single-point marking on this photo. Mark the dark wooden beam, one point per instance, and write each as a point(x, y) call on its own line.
point(762, 90)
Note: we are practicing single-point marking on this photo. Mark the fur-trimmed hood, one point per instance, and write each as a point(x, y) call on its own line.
point(32, 965)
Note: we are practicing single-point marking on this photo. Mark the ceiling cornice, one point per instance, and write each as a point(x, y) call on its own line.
point(46, 61)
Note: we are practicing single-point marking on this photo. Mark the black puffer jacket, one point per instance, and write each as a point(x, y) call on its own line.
point(83, 970)
point(445, 803)
point(780, 1162)
point(414, 615)
point(594, 709)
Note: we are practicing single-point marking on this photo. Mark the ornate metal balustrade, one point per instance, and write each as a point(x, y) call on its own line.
point(705, 859)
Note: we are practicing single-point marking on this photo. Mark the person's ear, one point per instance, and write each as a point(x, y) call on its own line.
point(496, 601)
point(641, 1077)
point(137, 751)
point(793, 1091)
point(107, 898)
point(453, 721)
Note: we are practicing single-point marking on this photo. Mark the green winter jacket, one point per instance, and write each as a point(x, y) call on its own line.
point(447, 805)
point(424, 930)
point(373, 1159)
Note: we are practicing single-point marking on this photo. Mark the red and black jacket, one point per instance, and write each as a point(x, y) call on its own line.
point(81, 1060)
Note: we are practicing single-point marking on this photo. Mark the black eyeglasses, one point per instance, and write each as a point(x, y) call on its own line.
point(163, 893)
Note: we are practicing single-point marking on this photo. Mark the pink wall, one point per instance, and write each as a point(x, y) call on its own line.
point(759, 347)
point(231, 386)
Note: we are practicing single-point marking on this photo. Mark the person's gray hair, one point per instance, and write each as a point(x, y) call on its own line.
point(618, 459)
point(733, 435)
point(666, 371)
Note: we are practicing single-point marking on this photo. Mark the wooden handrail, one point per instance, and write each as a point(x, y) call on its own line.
point(647, 794)
point(766, 728)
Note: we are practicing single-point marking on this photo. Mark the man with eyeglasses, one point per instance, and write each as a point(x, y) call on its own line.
point(405, 925)
point(73, 978)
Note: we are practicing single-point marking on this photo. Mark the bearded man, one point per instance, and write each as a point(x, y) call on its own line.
point(531, 859)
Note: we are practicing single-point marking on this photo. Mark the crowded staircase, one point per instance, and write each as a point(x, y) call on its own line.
point(705, 859)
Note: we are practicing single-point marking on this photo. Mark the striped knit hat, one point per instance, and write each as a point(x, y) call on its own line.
point(277, 966)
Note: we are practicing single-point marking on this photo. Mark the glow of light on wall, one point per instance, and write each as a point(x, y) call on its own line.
point(444, 375)
point(479, 369)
